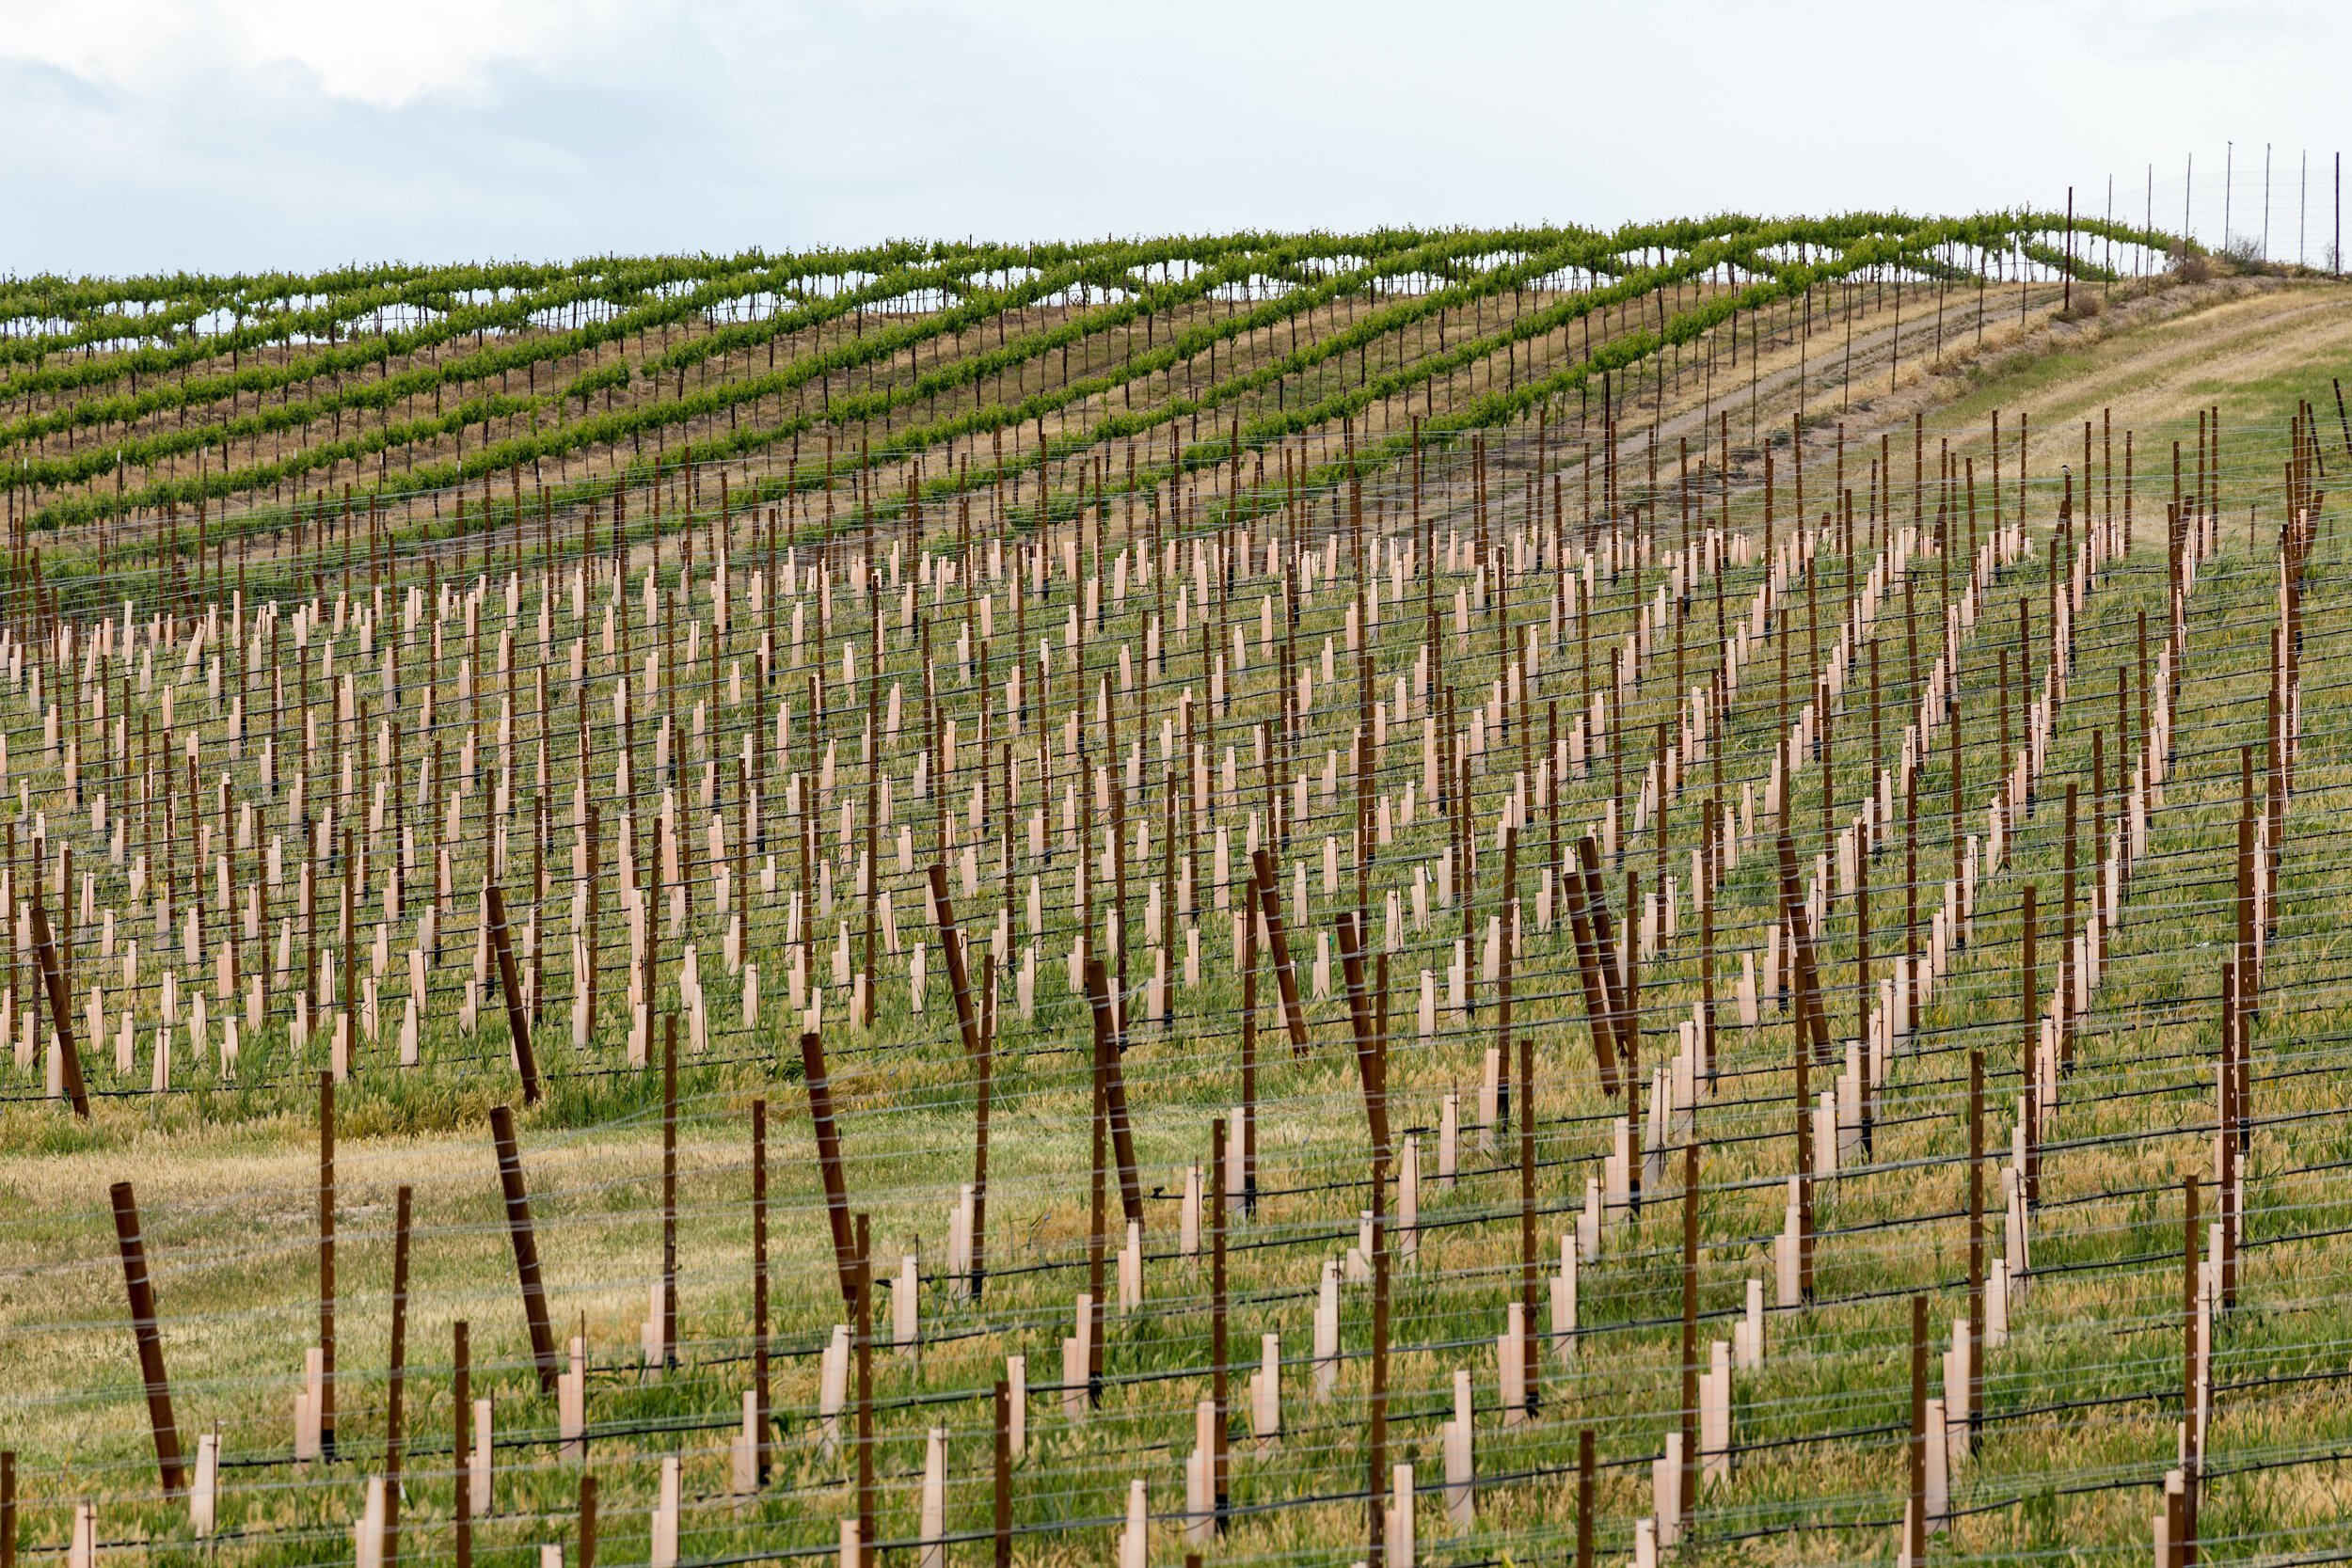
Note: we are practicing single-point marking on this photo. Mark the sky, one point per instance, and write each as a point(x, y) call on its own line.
point(154, 135)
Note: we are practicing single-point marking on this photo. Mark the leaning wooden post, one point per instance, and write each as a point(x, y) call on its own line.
point(1624, 1024)
point(1596, 1014)
point(518, 1021)
point(60, 1007)
point(587, 1521)
point(1285, 972)
point(1812, 1021)
point(142, 1291)
point(1359, 1020)
point(829, 1162)
point(398, 1369)
point(526, 1247)
point(1115, 1093)
point(958, 971)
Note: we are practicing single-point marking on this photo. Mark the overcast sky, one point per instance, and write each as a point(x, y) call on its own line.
point(154, 134)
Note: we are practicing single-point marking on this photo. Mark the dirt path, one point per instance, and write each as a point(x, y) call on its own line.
point(2250, 346)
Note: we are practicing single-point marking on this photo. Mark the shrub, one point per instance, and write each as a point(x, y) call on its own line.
point(2086, 305)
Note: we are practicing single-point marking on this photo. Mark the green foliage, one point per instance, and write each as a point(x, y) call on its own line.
point(349, 374)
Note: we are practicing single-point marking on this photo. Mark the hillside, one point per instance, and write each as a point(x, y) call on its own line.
point(1792, 971)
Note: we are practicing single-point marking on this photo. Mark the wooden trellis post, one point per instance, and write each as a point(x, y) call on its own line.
point(141, 1287)
point(526, 1246)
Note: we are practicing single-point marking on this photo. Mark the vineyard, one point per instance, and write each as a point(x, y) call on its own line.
point(1454, 897)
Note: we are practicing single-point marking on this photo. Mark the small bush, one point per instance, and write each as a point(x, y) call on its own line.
point(2086, 305)
point(2247, 259)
